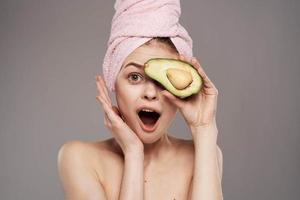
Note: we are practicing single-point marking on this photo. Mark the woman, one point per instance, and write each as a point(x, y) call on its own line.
point(138, 163)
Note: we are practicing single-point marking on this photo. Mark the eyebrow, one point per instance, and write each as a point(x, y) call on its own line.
point(134, 64)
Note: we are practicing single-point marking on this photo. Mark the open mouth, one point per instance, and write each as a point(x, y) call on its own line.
point(149, 119)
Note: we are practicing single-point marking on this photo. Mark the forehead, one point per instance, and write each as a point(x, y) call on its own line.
point(143, 53)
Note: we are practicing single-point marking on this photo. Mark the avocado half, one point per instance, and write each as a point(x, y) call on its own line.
point(178, 77)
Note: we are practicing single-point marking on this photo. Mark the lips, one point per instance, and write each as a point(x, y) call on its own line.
point(149, 108)
point(148, 118)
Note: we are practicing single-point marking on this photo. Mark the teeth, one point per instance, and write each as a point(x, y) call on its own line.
point(147, 110)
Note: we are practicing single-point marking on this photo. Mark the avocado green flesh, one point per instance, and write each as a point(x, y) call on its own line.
point(157, 69)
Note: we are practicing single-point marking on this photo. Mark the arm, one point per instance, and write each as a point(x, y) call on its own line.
point(78, 179)
point(206, 183)
point(132, 186)
point(199, 113)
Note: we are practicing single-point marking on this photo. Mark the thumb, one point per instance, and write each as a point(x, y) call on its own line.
point(178, 102)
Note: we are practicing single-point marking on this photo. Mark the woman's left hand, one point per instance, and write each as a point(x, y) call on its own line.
point(198, 110)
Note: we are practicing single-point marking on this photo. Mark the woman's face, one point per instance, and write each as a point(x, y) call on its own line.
point(134, 90)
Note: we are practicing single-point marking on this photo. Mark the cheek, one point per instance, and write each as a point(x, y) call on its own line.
point(122, 99)
point(169, 108)
point(168, 104)
point(126, 100)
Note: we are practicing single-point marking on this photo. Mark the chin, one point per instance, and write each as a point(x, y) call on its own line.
point(149, 137)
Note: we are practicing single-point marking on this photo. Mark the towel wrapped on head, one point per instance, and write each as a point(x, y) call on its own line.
point(134, 23)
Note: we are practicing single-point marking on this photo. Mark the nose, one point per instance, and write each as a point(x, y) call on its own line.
point(151, 91)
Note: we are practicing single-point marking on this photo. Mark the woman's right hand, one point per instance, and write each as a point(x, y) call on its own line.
point(123, 134)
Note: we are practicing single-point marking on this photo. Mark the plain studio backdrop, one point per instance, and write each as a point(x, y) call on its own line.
point(52, 49)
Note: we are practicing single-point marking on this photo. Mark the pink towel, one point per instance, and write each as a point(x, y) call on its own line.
point(138, 21)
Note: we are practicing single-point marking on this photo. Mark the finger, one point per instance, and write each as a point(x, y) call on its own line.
point(117, 111)
point(107, 122)
point(183, 58)
point(104, 88)
point(207, 83)
point(113, 118)
point(192, 62)
point(101, 100)
point(100, 88)
point(178, 102)
point(206, 80)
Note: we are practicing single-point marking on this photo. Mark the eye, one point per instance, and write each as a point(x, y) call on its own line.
point(134, 77)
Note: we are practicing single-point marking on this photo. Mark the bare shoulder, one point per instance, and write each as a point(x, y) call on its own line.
point(185, 149)
point(79, 166)
point(186, 146)
point(92, 154)
point(84, 149)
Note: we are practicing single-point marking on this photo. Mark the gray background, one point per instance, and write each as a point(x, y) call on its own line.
point(51, 50)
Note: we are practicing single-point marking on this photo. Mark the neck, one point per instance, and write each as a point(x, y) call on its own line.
point(154, 149)
point(158, 150)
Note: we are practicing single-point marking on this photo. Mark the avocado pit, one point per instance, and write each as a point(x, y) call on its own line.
point(179, 78)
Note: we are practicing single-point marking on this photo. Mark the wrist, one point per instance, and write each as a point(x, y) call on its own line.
point(204, 129)
point(211, 124)
point(134, 154)
point(133, 149)
point(204, 133)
